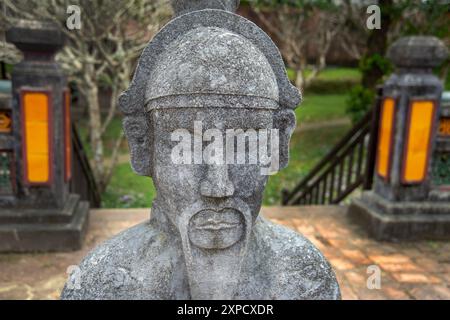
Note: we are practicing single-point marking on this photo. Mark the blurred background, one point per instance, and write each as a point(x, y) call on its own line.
point(329, 53)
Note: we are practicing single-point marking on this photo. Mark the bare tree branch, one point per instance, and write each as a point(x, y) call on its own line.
point(101, 53)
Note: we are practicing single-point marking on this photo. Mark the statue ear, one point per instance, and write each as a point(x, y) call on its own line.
point(137, 131)
point(284, 121)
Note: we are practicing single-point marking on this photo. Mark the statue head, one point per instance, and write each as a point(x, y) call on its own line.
point(208, 116)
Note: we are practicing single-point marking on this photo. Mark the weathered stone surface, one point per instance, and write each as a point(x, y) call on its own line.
point(35, 36)
point(417, 52)
point(208, 63)
point(205, 239)
point(146, 262)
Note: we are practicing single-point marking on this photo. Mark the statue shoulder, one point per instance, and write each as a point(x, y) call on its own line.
point(299, 269)
point(113, 269)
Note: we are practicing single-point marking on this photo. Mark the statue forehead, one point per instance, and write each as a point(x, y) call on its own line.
point(212, 117)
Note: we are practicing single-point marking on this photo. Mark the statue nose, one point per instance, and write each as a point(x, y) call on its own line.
point(217, 183)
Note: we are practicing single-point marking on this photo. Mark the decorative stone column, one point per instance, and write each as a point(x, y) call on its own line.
point(404, 203)
point(39, 214)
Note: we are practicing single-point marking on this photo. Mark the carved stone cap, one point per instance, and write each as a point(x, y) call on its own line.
point(184, 6)
point(419, 52)
point(31, 35)
point(213, 67)
point(171, 48)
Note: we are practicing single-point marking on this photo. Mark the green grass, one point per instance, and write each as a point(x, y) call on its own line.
point(330, 73)
point(316, 108)
point(128, 190)
point(340, 74)
point(306, 149)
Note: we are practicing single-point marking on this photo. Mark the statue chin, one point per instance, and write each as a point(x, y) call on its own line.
point(216, 229)
point(214, 238)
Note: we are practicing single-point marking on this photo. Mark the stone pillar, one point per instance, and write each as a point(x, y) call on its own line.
point(40, 214)
point(404, 203)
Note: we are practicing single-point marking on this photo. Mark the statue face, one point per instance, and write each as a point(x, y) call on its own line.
point(202, 184)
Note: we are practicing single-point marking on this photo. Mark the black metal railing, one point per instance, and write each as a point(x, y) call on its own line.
point(83, 181)
point(349, 165)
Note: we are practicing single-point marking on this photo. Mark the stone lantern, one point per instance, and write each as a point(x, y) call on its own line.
point(404, 203)
point(38, 213)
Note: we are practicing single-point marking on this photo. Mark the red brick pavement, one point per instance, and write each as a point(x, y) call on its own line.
point(415, 270)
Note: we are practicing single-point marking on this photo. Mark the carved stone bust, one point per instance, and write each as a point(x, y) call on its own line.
point(213, 79)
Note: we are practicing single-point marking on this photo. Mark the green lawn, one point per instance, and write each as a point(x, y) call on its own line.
point(339, 74)
point(128, 190)
point(316, 108)
point(331, 74)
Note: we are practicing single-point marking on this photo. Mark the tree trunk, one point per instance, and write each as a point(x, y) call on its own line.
point(95, 126)
point(377, 43)
point(299, 80)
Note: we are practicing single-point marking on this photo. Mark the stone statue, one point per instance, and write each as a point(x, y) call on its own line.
point(207, 72)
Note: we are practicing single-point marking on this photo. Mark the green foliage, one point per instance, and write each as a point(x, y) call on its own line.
point(361, 98)
point(375, 61)
point(9, 68)
point(433, 18)
point(447, 83)
point(359, 102)
point(441, 168)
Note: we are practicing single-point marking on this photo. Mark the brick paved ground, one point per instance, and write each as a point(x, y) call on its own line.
point(419, 270)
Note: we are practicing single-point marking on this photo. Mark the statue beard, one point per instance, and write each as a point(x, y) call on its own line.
point(215, 239)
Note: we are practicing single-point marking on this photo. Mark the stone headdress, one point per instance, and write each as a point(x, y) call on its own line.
point(207, 56)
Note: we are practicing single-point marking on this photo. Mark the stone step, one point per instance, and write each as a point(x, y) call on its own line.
point(46, 236)
point(33, 215)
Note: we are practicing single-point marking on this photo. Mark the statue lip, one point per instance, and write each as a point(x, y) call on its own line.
point(217, 220)
point(216, 225)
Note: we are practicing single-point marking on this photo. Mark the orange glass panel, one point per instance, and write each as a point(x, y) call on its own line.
point(67, 137)
point(418, 141)
point(5, 122)
point(444, 126)
point(36, 137)
point(385, 136)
